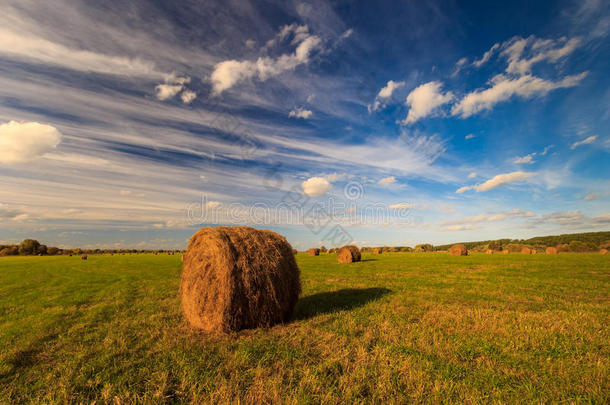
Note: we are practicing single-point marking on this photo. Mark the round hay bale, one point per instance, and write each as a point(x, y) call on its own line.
point(235, 278)
point(83, 257)
point(551, 250)
point(294, 251)
point(458, 250)
point(489, 252)
point(603, 251)
point(526, 251)
point(378, 251)
point(313, 252)
point(505, 251)
point(349, 254)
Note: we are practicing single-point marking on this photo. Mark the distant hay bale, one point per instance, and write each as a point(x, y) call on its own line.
point(505, 251)
point(235, 278)
point(533, 251)
point(603, 251)
point(526, 251)
point(378, 251)
point(489, 252)
point(551, 250)
point(294, 251)
point(83, 257)
point(313, 252)
point(458, 250)
point(349, 254)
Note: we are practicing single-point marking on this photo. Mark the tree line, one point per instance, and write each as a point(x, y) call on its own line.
point(32, 247)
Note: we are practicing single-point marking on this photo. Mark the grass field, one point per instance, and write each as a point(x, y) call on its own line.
point(396, 328)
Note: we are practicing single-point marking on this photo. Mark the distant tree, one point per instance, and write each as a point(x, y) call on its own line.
point(52, 251)
point(495, 245)
point(29, 247)
point(42, 250)
point(426, 247)
point(323, 249)
point(9, 251)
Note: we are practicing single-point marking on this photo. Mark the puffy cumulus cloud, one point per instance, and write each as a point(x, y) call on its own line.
point(497, 181)
point(527, 159)
point(25, 141)
point(424, 100)
point(388, 90)
point(386, 181)
point(173, 85)
point(316, 186)
point(228, 73)
point(300, 113)
point(587, 141)
point(188, 96)
point(503, 88)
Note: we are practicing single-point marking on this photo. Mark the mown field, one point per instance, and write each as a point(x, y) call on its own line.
point(395, 328)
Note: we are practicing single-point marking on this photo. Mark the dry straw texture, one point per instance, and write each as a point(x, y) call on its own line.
point(551, 250)
point(313, 252)
point(458, 250)
point(526, 251)
point(235, 278)
point(604, 251)
point(349, 254)
point(378, 251)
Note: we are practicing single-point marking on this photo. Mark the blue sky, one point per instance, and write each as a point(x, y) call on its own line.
point(379, 123)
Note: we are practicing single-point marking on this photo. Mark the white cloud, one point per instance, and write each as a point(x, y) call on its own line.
point(388, 90)
point(24, 46)
point(125, 192)
point(592, 197)
point(24, 141)
point(167, 91)
point(386, 181)
point(472, 175)
point(469, 136)
point(333, 177)
point(500, 216)
point(348, 33)
point(402, 206)
point(497, 181)
point(462, 227)
point(316, 186)
point(212, 205)
point(587, 141)
point(228, 73)
point(486, 56)
point(540, 50)
point(424, 99)
point(250, 43)
point(546, 150)
point(311, 98)
point(188, 96)
point(300, 113)
point(504, 88)
point(527, 159)
point(459, 66)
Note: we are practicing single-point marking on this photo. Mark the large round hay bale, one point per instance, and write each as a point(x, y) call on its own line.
point(83, 257)
point(489, 252)
point(526, 251)
point(378, 251)
point(551, 250)
point(458, 250)
point(313, 252)
point(603, 251)
point(235, 278)
point(505, 251)
point(349, 254)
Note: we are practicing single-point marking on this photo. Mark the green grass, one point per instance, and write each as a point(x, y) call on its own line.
point(395, 328)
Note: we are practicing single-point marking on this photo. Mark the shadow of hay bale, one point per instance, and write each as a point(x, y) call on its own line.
point(334, 301)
